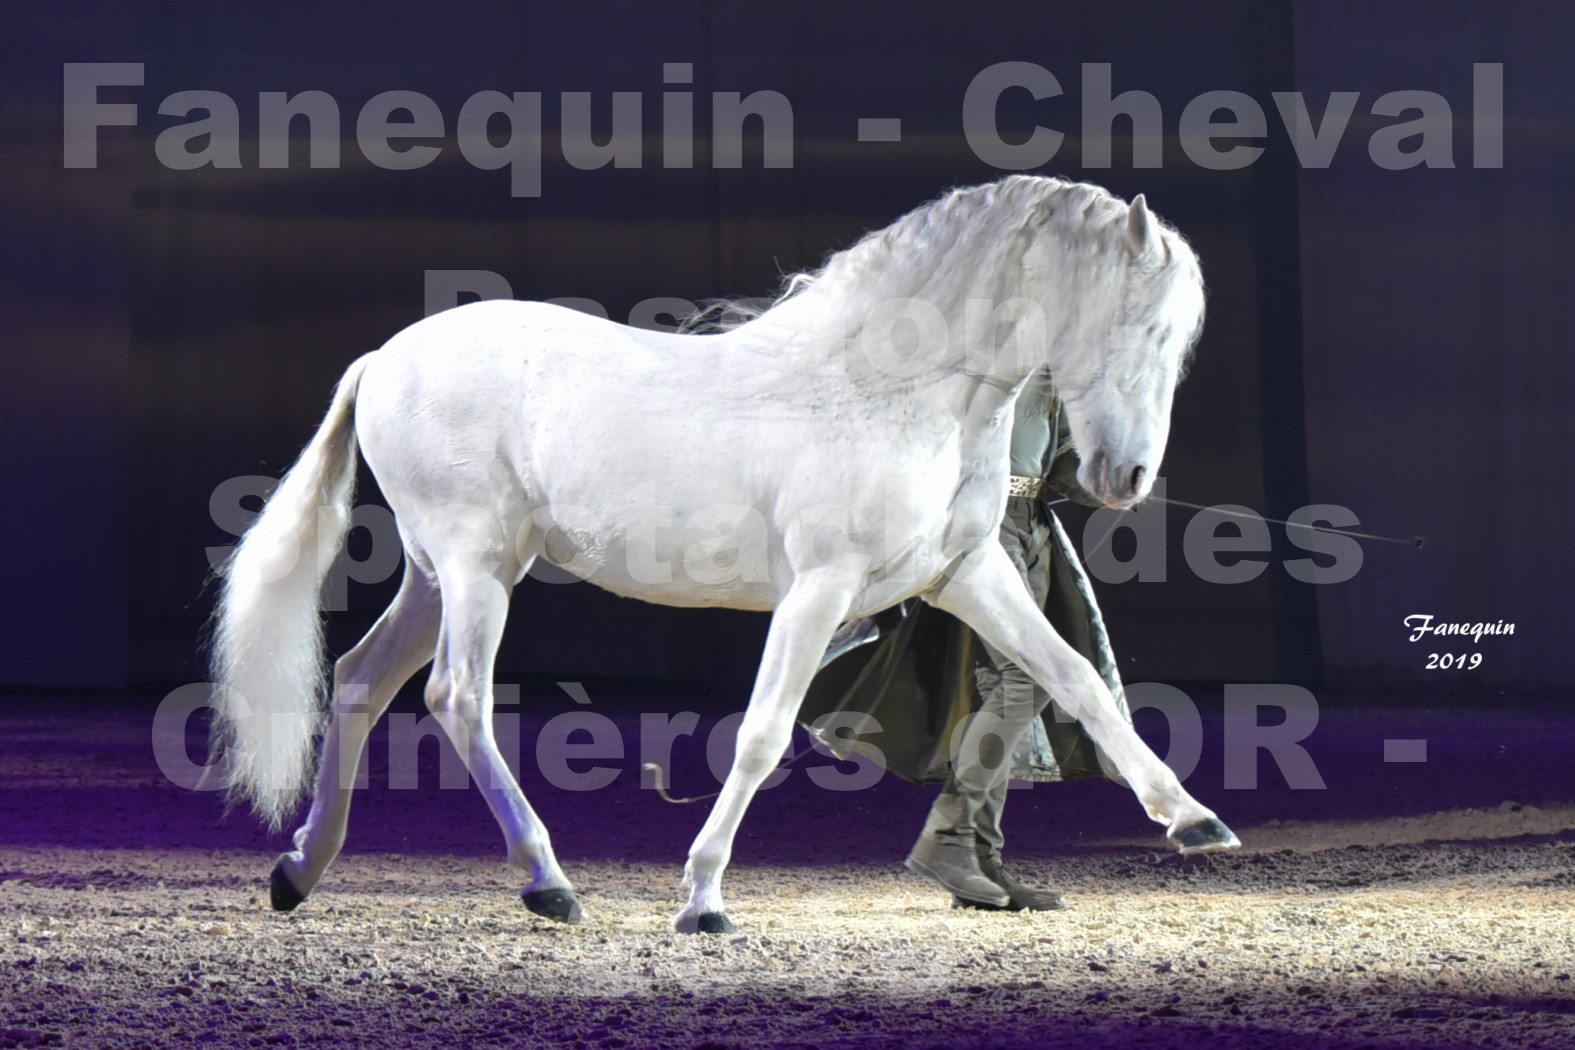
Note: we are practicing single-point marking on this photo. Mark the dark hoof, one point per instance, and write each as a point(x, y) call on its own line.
point(1206, 836)
point(558, 905)
point(282, 893)
point(715, 922)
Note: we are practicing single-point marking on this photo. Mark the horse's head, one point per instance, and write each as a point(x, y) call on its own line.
point(1117, 375)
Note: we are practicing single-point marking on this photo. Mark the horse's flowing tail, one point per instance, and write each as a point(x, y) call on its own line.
point(268, 664)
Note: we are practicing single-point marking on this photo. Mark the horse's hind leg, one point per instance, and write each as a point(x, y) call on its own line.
point(475, 605)
point(365, 681)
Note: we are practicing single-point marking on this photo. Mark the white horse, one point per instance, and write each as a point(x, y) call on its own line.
point(840, 452)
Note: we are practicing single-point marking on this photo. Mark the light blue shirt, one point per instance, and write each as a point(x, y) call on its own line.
point(1031, 427)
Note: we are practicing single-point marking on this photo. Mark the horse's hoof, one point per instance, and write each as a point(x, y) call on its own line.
point(1206, 836)
point(716, 922)
point(282, 893)
point(706, 922)
point(558, 905)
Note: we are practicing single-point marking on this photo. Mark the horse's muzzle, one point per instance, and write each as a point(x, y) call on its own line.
point(1117, 486)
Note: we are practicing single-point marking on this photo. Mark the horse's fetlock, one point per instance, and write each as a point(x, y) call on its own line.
point(706, 859)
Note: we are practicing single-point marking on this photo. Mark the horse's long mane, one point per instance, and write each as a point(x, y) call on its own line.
point(970, 245)
point(968, 241)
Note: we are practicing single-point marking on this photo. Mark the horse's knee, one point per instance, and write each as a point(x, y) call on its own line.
point(455, 704)
point(436, 694)
point(444, 695)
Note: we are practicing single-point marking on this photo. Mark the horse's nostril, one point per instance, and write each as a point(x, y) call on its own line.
point(1137, 478)
point(1100, 469)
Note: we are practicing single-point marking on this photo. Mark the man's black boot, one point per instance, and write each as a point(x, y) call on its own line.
point(1020, 897)
point(951, 858)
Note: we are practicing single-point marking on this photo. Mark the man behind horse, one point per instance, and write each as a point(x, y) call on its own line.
point(931, 679)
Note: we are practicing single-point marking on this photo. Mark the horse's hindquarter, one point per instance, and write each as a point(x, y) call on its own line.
point(437, 419)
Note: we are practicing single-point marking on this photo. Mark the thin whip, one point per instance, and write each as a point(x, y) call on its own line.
point(659, 780)
point(1414, 541)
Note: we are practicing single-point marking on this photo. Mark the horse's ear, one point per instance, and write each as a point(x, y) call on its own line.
point(1139, 233)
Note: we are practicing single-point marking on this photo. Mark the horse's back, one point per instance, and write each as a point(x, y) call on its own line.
point(490, 404)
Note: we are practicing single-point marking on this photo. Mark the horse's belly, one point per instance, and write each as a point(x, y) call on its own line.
point(692, 585)
point(736, 562)
point(720, 555)
point(731, 571)
point(734, 594)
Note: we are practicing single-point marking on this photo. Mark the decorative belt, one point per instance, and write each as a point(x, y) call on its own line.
point(1022, 486)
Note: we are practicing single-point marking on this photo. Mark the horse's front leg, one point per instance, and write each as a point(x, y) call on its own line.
point(800, 628)
point(988, 595)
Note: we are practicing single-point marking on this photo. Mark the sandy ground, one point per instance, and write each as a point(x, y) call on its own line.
point(1316, 944)
point(131, 914)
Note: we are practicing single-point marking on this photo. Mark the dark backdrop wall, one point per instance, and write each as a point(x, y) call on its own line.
point(1397, 342)
point(1439, 324)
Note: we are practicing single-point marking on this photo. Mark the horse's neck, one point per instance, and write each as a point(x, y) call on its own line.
point(966, 386)
point(805, 335)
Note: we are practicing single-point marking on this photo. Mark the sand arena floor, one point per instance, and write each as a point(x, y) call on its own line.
point(1423, 945)
point(1448, 928)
